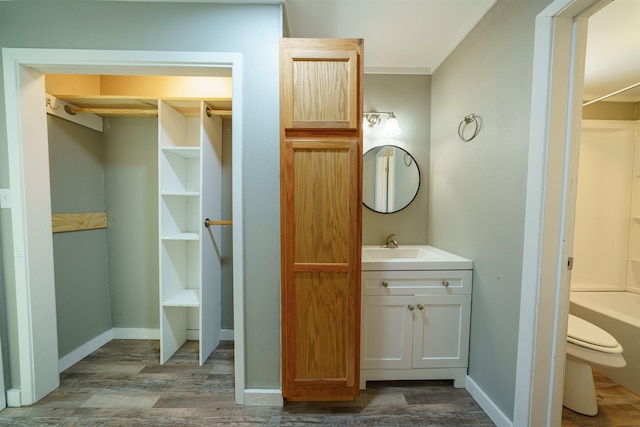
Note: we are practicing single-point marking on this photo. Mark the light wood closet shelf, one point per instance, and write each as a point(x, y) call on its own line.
point(137, 96)
point(130, 106)
point(61, 223)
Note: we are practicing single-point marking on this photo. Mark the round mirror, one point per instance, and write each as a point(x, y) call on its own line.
point(391, 179)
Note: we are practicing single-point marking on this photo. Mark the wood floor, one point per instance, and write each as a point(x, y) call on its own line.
point(122, 384)
point(617, 407)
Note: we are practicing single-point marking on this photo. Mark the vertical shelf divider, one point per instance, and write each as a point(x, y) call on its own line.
point(179, 168)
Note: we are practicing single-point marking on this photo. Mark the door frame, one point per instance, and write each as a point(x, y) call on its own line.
point(3, 396)
point(25, 111)
point(556, 113)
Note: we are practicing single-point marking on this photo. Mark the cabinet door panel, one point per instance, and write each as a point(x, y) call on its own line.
point(321, 265)
point(321, 199)
point(441, 331)
point(386, 337)
point(321, 341)
point(320, 84)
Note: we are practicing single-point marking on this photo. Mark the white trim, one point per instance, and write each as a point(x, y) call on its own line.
point(56, 107)
point(39, 61)
point(135, 333)
point(558, 67)
point(263, 397)
point(194, 335)
point(84, 350)
point(226, 335)
point(237, 216)
point(487, 405)
point(32, 240)
point(3, 396)
point(114, 334)
point(14, 399)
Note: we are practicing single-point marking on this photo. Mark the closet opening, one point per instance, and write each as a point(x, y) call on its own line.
point(179, 151)
point(136, 165)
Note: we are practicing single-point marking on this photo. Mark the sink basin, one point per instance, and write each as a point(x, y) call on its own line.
point(412, 257)
point(397, 253)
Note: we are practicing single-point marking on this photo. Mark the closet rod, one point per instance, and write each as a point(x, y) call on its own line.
point(113, 111)
point(208, 222)
point(611, 94)
point(211, 112)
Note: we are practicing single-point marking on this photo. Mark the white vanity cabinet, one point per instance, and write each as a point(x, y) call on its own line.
point(415, 325)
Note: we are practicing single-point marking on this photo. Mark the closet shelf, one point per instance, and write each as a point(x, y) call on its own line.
point(181, 193)
point(182, 236)
point(186, 298)
point(184, 151)
point(133, 106)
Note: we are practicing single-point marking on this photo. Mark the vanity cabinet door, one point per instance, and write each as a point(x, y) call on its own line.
point(320, 213)
point(387, 332)
point(441, 331)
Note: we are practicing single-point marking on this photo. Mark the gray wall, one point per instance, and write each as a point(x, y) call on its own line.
point(254, 31)
point(478, 188)
point(76, 162)
point(131, 187)
point(409, 97)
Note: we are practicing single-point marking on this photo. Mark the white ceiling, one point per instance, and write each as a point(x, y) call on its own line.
point(415, 36)
point(613, 52)
point(401, 36)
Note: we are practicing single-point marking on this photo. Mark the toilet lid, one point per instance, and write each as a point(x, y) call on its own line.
point(582, 332)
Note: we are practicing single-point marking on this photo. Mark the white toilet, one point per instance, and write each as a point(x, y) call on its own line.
point(587, 345)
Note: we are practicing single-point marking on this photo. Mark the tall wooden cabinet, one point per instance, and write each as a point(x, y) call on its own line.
point(321, 92)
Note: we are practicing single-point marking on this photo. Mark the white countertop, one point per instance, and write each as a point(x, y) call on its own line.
point(412, 257)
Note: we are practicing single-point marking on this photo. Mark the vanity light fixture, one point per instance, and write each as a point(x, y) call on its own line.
point(373, 119)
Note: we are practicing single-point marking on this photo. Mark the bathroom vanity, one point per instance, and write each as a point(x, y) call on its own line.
point(416, 309)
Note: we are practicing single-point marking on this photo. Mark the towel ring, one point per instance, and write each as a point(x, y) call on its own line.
point(471, 118)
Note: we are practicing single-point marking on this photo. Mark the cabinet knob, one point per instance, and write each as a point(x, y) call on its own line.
point(410, 307)
point(385, 284)
point(445, 284)
point(420, 307)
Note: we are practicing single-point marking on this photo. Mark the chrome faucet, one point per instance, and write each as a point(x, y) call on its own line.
point(391, 242)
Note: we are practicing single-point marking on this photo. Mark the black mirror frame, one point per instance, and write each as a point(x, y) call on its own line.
point(419, 179)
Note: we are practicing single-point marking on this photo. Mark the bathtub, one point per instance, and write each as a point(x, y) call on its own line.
point(618, 313)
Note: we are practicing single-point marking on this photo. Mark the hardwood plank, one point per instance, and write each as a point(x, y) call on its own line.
point(98, 392)
point(61, 223)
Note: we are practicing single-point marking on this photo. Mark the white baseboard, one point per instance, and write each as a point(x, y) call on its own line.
point(136, 334)
point(14, 397)
point(84, 350)
point(263, 397)
point(225, 334)
point(487, 405)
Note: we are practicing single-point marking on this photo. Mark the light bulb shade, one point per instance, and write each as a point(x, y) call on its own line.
point(391, 127)
point(366, 130)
